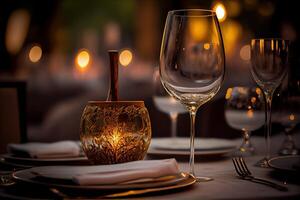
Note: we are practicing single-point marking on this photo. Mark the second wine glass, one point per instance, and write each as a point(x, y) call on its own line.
point(269, 59)
point(192, 62)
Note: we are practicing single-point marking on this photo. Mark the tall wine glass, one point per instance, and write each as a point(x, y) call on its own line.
point(165, 103)
point(192, 62)
point(287, 113)
point(269, 59)
point(244, 111)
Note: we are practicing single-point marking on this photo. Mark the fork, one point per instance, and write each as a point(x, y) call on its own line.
point(243, 171)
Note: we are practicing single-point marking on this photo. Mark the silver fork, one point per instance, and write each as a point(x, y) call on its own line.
point(243, 172)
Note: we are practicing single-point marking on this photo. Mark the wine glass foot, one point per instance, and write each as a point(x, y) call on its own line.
point(263, 163)
point(287, 151)
point(288, 147)
point(203, 179)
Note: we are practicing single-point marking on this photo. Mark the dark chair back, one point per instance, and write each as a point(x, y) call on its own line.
point(13, 127)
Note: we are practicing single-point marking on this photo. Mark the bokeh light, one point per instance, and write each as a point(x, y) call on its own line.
point(35, 53)
point(245, 53)
point(220, 10)
point(292, 117)
point(83, 59)
point(206, 46)
point(125, 57)
point(17, 30)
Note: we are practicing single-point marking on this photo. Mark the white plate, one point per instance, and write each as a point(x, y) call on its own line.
point(286, 163)
point(180, 146)
point(183, 144)
point(44, 161)
point(28, 177)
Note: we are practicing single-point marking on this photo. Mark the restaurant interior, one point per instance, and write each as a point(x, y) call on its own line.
point(55, 55)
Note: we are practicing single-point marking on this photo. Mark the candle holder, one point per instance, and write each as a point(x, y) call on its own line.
point(115, 131)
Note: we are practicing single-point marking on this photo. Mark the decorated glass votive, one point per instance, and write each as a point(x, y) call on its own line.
point(115, 131)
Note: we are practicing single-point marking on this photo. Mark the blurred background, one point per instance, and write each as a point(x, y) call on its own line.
point(60, 49)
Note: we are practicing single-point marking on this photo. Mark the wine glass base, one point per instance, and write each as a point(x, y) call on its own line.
point(203, 179)
point(287, 151)
point(263, 163)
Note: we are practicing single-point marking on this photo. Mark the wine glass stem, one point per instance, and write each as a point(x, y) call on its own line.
point(192, 111)
point(247, 137)
point(268, 97)
point(173, 117)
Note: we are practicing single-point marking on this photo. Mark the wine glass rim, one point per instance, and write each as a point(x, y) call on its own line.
point(197, 12)
point(269, 39)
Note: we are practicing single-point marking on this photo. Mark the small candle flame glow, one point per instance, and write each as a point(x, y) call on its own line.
point(125, 57)
point(83, 59)
point(292, 117)
point(250, 113)
point(35, 53)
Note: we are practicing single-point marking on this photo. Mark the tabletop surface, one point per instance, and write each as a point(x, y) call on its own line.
point(226, 184)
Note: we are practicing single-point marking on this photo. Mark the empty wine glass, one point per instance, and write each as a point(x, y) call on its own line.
point(165, 103)
point(244, 110)
point(192, 62)
point(287, 113)
point(269, 59)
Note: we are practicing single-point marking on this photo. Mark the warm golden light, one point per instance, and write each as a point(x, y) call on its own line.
point(206, 46)
point(234, 8)
point(228, 93)
point(16, 30)
point(245, 53)
point(258, 91)
point(250, 113)
point(125, 57)
point(292, 117)
point(35, 53)
point(115, 137)
point(232, 32)
point(197, 28)
point(220, 10)
point(83, 59)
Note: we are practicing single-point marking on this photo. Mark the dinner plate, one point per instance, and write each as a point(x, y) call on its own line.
point(286, 163)
point(45, 161)
point(183, 144)
point(180, 147)
point(26, 176)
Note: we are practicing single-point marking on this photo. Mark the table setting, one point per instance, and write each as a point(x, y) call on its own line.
point(116, 156)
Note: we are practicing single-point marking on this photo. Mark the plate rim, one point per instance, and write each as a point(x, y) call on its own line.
point(282, 157)
point(152, 151)
point(232, 146)
point(28, 159)
point(17, 177)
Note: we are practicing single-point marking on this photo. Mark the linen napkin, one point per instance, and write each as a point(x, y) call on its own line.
point(110, 174)
point(61, 149)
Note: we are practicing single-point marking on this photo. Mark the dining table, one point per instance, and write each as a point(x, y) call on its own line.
point(226, 184)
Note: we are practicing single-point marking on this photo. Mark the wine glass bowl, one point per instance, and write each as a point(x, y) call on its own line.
point(269, 65)
point(192, 61)
point(244, 110)
point(269, 58)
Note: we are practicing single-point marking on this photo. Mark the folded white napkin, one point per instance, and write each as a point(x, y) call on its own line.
point(62, 149)
point(110, 174)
